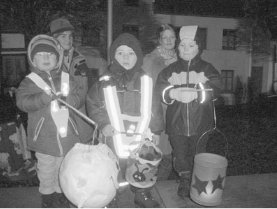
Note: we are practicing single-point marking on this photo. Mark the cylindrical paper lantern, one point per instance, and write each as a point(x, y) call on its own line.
point(208, 179)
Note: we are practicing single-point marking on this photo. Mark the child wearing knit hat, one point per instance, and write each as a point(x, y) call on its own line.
point(121, 104)
point(74, 63)
point(51, 129)
point(44, 53)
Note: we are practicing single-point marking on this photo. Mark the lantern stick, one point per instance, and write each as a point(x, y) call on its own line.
point(193, 90)
point(77, 111)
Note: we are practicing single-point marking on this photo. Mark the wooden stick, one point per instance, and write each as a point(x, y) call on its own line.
point(77, 111)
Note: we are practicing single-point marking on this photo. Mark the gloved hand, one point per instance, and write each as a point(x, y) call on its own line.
point(183, 94)
point(81, 68)
point(55, 96)
point(156, 139)
point(108, 130)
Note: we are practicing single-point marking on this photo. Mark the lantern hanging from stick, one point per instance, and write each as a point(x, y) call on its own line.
point(142, 165)
point(88, 175)
point(209, 173)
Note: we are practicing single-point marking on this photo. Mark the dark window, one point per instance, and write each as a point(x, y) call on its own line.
point(203, 37)
point(132, 3)
point(133, 29)
point(227, 78)
point(229, 39)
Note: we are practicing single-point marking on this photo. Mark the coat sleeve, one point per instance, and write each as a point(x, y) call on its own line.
point(157, 119)
point(30, 98)
point(214, 80)
point(163, 87)
point(76, 97)
point(78, 71)
point(96, 107)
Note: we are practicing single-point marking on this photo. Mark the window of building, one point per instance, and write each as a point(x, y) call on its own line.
point(227, 78)
point(229, 39)
point(132, 3)
point(202, 35)
point(133, 29)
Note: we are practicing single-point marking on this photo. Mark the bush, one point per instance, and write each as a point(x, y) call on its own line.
point(251, 130)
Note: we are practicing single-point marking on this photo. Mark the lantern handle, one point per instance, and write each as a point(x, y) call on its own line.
point(211, 130)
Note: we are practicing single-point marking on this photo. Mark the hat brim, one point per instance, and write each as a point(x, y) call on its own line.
point(62, 30)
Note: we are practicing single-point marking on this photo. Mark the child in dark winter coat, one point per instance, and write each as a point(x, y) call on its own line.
point(120, 103)
point(186, 87)
point(51, 130)
point(74, 63)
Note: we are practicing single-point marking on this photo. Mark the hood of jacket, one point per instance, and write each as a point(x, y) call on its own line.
point(115, 68)
point(47, 40)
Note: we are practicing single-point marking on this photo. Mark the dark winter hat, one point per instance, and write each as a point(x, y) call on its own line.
point(60, 25)
point(130, 41)
point(44, 48)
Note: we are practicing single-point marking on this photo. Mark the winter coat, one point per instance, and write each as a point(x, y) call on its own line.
point(191, 118)
point(128, 88)
point(153, 64)
point(79, 70)
point(42, 132)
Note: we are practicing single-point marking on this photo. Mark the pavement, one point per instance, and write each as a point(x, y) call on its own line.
point(248, 191)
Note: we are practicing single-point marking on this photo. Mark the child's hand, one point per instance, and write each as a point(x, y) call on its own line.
point(56, 96)
point(156, 139)
point(108, 130)
point(184, 95)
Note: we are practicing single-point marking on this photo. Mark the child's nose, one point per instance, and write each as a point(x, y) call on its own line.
point(46, 56)
point(125, 56)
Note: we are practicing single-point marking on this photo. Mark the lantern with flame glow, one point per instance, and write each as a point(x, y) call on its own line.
point(208, 177)
point(88, 175)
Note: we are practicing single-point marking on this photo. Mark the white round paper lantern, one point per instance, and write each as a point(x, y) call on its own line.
point(88, 175)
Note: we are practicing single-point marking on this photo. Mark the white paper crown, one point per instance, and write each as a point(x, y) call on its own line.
point(188, 32)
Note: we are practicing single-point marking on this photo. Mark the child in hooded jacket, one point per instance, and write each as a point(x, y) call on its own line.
point(125, 74)
point(51, 129)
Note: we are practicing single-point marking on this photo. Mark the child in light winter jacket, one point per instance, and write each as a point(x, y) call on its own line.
point(51, 129)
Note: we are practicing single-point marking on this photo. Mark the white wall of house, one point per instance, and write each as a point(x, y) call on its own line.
point(237, 60)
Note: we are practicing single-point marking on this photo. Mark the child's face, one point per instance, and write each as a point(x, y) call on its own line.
point(66, 39)
point(126, 57)
point(45, 61)
point(167, 39)
point(188, 49)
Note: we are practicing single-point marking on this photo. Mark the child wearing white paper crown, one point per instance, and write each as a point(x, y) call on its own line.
point(190, 111)
point(51, 131)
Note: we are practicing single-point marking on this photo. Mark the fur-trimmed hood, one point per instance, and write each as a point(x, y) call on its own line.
point(45, 40)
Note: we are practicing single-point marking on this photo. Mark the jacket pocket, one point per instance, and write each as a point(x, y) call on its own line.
point(74, 126)
point(38, 128)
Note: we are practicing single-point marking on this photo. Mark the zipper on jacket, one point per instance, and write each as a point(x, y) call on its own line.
point(38, 128)
point(51, 82)
point(188, 103)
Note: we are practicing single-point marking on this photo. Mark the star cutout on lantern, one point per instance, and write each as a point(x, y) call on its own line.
point(217, 184)
point(199, 185)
